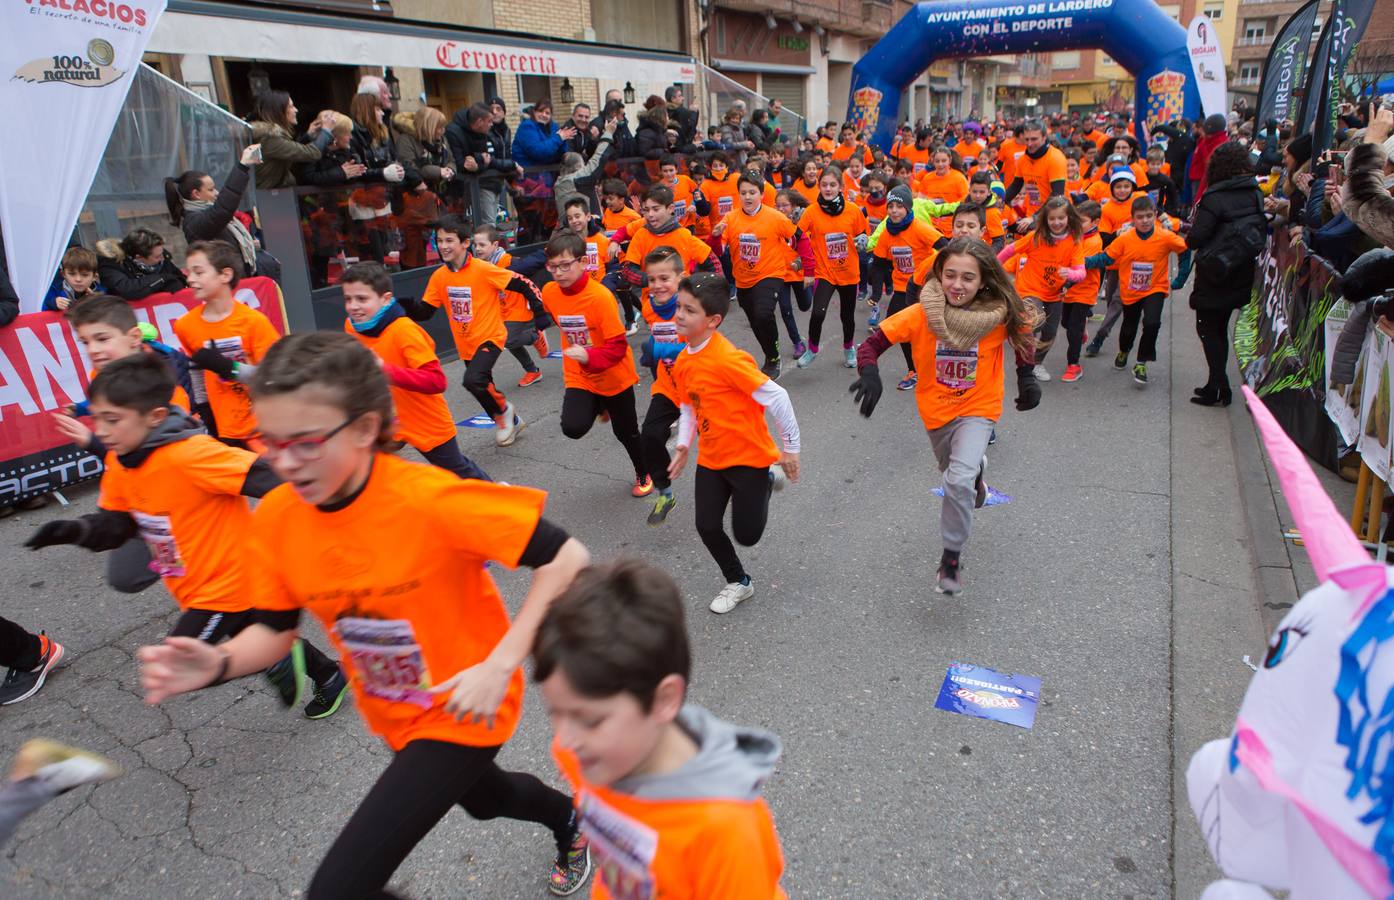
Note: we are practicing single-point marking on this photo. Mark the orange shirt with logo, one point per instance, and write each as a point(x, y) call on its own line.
point(471, 299)
point(405, 614)
point(905, 250)
point(1037, 174)
point(597, 254)
point(186, 500)
point(677, 849)
point(723, 197)
point(843, 153)
point(834, 242)
point(1087, 290)
point(1040, 276)
point(642, 242)
point(916, 156)
point(664, 331)
point(1117, 213)
point(244, 335)
point(683, 210)
point(1143, 267)
point(423, 420)
point(808, 191)
point(587, 316)
point(953, 383)
point(759, 245)
point(613, 221)
point(718, 381)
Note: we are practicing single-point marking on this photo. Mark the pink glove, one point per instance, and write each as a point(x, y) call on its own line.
point(1006, 253)
point(1073, 274)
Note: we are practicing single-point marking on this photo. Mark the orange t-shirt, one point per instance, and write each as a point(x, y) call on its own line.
point(1008, 154)
point(471, 296)
point(613, 221)
point(423, 420)
point(677, 849)
point(844, 152)
point(718, 381)
point(683, 210)
point(759, 245)
point(965, 382)
point(1097, 191)
point(514, 305)
point(664, 331)
point(186, 499)
point(410, 612)
point(597, 254)
point(851, 188)
point(807, 191)
point(825, 143)
point(875, 213)
point(947, 188)
point(916, 156)
point(1040, 276)
point(588, 316)
point(969, 149)
point(833, 239)
point(905, 250)
point(1037, 174)
point(642, 242)
point(1087, 291)
point(1117, 213)
point(723, 197)
point(244, 336)
point(1142, 264)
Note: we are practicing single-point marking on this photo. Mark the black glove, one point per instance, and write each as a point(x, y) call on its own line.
point(866, 390)
point(1028, 390)
point(62, 531)
point(214, 361)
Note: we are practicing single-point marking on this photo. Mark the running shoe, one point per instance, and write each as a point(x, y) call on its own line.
point(1072, 373)
point(849, 356)
point(992, 438)
point(732, 596)
point(980, 485)
point(875, 318)
point(1120, 361)
point(288, 676)
point(643, 486)
point(949, 581)
point(1140, 373)
point(508, 433)
point(540, 345)
point(21, 685)
point(806, 358)
point(771, 369)
point(633, 328)
point(908, 382)
point(661, 507)
point(1097, 317)
point(778, 480)
point(530, 378)
point(571, 869)
point(1092, 349)
point(61, 767)
point(799, 349)
point(1040, 372)
point(327, 697)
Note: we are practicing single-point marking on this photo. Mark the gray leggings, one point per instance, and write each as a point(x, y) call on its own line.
point(1115, 308)
point(128, 567)
point(959, 447)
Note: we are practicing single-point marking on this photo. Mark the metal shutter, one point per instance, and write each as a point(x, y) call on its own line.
point(787, 89)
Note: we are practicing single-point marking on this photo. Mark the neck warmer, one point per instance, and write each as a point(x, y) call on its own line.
point(496, 256)
point(961, 327)
point(375, 326)
point(577, 287)
point(1045, 148)
point(893, 228)
point(239, 232)
point(664, 311)
point(832, 207)
point(670, 225)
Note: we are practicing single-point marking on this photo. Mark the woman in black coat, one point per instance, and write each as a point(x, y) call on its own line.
point(205, 213)
point(1227, 232)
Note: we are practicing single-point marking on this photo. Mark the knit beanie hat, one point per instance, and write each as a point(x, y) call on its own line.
point(901, 194)
point(1215, 124)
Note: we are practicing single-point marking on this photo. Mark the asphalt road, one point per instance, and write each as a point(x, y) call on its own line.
point(841, 652)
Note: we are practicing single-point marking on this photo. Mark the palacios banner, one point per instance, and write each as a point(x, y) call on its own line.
point(65, 67)
point(1285, 70)
point(1207, 64)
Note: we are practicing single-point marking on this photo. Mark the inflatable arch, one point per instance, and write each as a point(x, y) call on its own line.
point(1136, 33)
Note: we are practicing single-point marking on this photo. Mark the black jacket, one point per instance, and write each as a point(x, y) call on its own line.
point(683, 120)
point(212, 224)
point(651, 140)
point(375, 156)
point(503, 138)
point(129, 280)
point(465, 143)
point(1224, 206)
point(327, 171)
point(1180, 144)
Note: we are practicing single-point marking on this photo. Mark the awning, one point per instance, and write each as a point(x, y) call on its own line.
point(740, 65)
point(269, 34)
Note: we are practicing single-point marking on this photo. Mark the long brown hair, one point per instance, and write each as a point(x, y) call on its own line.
point(1074, 228)
point(1021, 316)
point(363, 109)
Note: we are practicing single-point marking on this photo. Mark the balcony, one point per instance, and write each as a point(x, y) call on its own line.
point(1262, 40)
point(864, 18)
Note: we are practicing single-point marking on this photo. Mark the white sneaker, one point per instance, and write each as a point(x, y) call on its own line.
point(63, 768)
point(512, 425)
point(731, 597)
point(633, 328)
point(778, 480)
point(1041, 373)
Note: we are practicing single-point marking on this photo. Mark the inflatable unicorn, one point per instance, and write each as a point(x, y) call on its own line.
point(1298, 797)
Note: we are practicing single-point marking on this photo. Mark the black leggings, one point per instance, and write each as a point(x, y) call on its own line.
point(759, 302)
point(1149, 311)
point(1212, 327)
point(898, 302)
point(423, 781)
point(479, 379)
point(1072, 319)
point(18, 648)
point(211, 627)
point(579, 407)
point(449, 457)
point(822, 296)
point(746, 490)
point(658, 421)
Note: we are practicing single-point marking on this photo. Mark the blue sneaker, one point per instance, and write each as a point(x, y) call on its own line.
point(849, 356)
point(875, 318)
point(908, 382)
point(806, 359)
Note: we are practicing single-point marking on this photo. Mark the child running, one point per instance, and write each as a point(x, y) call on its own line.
point(407, 355)
point(184, 494)
point(664, 269)
point(906, 240)
point(967, 315)
point(426, 639)
point(1054, 246)
point(836, 230)
point(668, 794)
point(598, 365)
point(1116, 212)
point(792, 205)
point(761, 241)
point(1081, 296)
point(724, 398)
point(520, 324)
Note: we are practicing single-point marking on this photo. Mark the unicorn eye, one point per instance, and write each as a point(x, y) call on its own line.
point(1283, 644)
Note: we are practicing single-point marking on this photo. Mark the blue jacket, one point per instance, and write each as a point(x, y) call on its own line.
point(535, 145)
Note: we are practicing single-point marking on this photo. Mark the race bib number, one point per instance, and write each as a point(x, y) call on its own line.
point(724, 205)
point(1033, 193)
point(232, 348)
point(575, 330)
point(664, 332)
point(622, 849)
point(956, 370)
point(158, 535)
point(387, 659)
point(1140, 276)
point(904, 259)
point(919, 167)
point(461, 304)
point(836, 244)
point(592, 257)
point(749, 249)
point(679, 209)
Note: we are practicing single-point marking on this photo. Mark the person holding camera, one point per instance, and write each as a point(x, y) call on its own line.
point(1365, 196)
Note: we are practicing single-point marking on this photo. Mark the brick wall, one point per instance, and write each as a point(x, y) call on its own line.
point(545, 18)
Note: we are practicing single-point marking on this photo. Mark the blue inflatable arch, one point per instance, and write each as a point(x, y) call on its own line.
point(1136, 33)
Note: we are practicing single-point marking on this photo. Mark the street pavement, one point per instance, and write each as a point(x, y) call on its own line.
point(1119, 573)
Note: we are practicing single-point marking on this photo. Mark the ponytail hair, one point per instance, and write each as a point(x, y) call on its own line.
point(181, 188)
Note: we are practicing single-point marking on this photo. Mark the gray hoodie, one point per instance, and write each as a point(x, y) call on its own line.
point(732, 762)
point(177, 426)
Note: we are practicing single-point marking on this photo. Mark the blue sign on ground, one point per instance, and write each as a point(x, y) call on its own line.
point(985, 694)
point(479, 421)
point(994, 496)
point(555, 354)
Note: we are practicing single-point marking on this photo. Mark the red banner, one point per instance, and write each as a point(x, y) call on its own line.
point(43, 368)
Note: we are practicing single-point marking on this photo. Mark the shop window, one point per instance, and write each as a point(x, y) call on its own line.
point(533, 88)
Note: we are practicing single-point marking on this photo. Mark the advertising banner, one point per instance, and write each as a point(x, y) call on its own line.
point(1285, 71)
point(43, 369)
point(1347, 24)
point(65, 67)
point(983, 693)
point(1207, 64)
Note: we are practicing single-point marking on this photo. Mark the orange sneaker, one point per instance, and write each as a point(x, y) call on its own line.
point(643, 486)
point(529, 378)
point(1072, 373)
point(540, 345)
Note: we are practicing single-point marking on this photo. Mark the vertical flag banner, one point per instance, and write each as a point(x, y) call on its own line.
point(1347, 24)
point(1285, 70)
point(65, 69)
point(1207, 64)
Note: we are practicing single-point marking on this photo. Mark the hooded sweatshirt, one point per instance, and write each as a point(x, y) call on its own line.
point(700, 831)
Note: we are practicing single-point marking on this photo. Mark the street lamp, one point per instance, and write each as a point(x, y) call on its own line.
point(568, 93)
point(628, 92)
point(394, 85)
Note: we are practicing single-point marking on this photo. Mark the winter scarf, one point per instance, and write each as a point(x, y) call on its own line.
point(961, 327)
point(239, 233)
point(832, 207)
